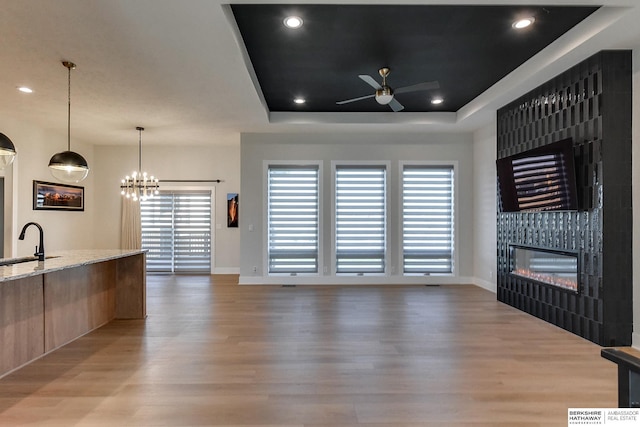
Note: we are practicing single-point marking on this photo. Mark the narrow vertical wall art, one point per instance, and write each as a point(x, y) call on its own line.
point(232, 210)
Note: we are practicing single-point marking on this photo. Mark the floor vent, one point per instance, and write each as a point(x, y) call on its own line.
point(288, 286)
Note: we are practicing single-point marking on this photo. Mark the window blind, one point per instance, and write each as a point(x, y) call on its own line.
point(427, 219)
point(360, 219)
point(176, 231)
point(293, 194)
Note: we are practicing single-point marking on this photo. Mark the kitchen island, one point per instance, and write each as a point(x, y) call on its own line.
point(47, 304)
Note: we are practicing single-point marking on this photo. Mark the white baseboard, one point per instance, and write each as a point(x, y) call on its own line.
point(367, 280)
point(490, 286)
point(354, 280)
point(226, 270)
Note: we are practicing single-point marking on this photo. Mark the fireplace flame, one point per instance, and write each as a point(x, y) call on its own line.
point(549, 278)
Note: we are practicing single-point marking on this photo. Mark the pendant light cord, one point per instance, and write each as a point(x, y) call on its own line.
point(69, 113)
point(140, 129)
point(70, 66)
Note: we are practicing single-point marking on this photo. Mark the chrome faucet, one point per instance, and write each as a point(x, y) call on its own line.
point(39, 249)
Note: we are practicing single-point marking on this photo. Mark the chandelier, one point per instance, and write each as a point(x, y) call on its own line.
point(139, 186)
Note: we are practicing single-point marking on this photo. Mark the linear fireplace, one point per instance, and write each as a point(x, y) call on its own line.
point(548, 266)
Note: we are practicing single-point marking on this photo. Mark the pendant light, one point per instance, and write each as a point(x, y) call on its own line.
point(68, 166)
point(7, 151)
point(139, 186)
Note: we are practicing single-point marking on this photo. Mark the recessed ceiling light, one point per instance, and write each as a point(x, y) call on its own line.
point(293, 22)
point(299, 100)
point(523, 23)
point(436, 101)
point(25, 89)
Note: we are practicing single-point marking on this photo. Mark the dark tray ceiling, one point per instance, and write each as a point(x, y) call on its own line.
point(465, 48)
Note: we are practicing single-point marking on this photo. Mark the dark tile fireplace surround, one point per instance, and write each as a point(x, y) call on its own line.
point(590, 103)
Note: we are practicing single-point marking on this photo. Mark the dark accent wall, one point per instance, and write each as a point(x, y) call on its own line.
point(590, 103)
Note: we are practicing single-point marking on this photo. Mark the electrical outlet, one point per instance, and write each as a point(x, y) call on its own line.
point(326, 269)
point(490, 274)
point(255, 269)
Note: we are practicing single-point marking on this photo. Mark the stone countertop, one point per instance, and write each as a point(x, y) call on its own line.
point(61, 260)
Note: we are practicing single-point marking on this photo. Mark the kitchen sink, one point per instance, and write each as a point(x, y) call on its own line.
point(12, 261)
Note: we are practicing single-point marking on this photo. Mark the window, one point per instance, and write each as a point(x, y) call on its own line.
point(427, 219)
point(293, 198)
point(176, 231)
point(360, 219)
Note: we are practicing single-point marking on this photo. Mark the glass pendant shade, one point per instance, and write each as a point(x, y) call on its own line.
point(68, 166)
point(7, 151)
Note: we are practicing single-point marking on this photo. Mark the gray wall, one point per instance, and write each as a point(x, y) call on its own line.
point(258, 148)
point(484, 207)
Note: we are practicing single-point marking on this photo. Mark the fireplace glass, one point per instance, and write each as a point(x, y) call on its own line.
point(553, 268)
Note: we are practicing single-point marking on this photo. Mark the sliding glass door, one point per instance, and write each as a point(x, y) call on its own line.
point(176, 231)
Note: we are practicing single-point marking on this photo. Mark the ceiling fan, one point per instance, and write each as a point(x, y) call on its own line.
point(385, 95)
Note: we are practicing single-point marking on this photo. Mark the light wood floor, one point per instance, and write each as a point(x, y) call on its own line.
point(215, 353)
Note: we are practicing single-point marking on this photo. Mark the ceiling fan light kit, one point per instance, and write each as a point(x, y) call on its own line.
point(384, 94)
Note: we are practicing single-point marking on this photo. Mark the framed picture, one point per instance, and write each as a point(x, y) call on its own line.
point(232, 210)
point(57, 197)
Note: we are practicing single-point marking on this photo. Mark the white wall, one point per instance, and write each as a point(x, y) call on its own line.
point(180, 163)
point(484, 207)
point(256, 148)
point(62, 230)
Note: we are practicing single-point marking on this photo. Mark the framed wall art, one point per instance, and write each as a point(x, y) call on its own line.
point(57, 197)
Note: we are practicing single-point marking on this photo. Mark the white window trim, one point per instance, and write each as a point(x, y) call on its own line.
point(265, 216)
point(387, 261)
point(456, 228)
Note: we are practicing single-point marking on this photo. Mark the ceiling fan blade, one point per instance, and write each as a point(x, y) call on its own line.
point(371, 81)
point(417, 87)
point(395, 105)
point(354, 99)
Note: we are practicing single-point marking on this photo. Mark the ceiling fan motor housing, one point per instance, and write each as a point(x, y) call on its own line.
point(384, 95)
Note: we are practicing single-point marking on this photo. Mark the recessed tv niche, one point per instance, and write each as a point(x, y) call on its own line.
point(541, 179)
